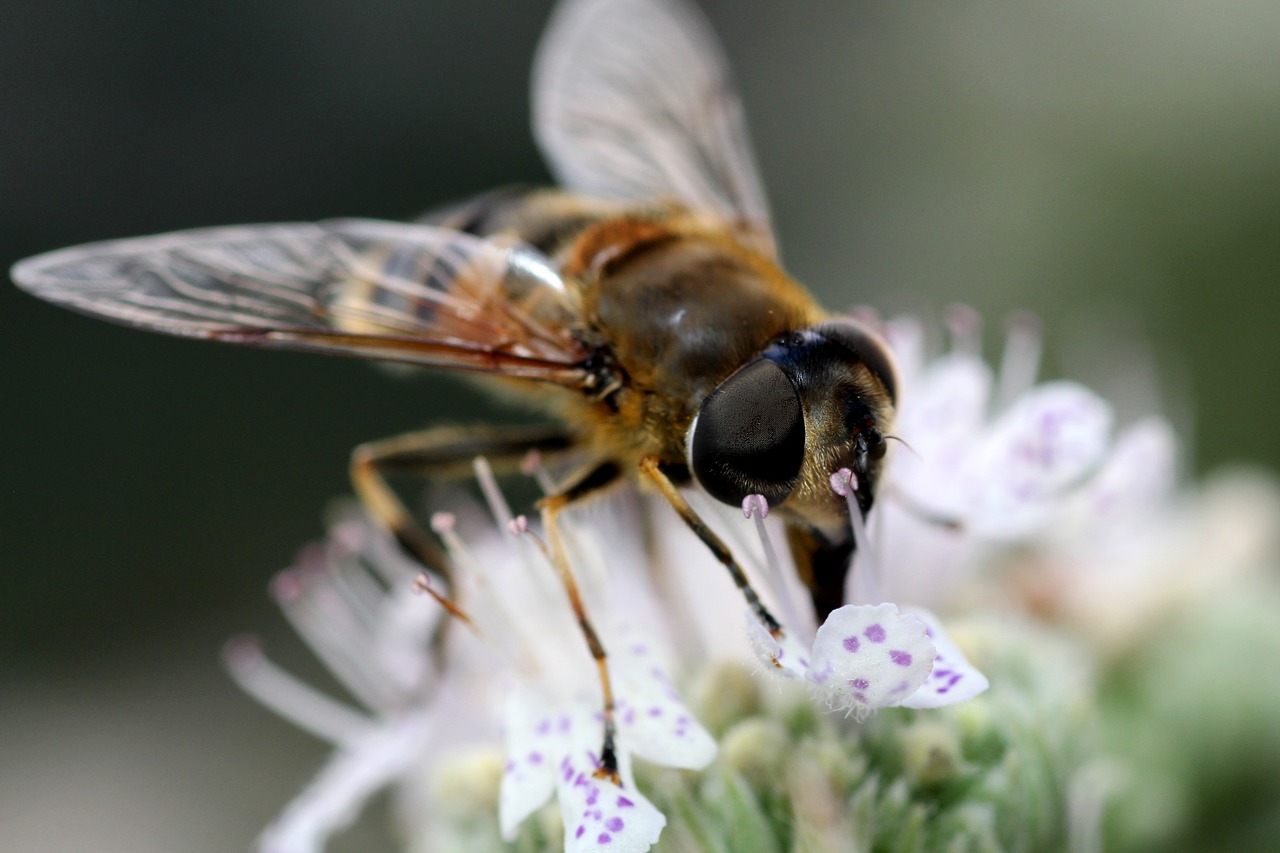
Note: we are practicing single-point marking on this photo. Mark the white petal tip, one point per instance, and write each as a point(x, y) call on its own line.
point(953, 678)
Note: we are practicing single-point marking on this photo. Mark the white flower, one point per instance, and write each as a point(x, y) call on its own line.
point(350, 598)
point(520, 667)
point(865, 656)
point(998, 456)
point(984, 463)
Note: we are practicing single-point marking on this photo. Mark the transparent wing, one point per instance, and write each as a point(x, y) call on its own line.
point(632, 99)
point(363, 288)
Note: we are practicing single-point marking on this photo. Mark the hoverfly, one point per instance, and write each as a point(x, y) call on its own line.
point(642, 304)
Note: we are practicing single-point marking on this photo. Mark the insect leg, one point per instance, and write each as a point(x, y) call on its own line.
point(588, 482)
point(652, 468)
point(444, 451)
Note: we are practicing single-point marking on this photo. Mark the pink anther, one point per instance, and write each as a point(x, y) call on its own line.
point(844, 482)
point(755, 505)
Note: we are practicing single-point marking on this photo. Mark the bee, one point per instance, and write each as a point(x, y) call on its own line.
point(641, 304)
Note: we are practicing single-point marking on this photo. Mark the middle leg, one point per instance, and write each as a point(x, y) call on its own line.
point(589, 482)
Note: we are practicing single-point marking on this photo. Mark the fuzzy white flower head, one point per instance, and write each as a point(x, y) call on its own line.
point(984, 462)
point(866, 656)
point(520, 667)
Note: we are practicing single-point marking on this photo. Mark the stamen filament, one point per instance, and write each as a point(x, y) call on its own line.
point(531, 466)
point(501, 634)
point(756, 508)
point(965, 326)
point(442, 524)
point(492, 494)
point(361, 593)
point(866, 583)
point(422, 585)
point(304, 706)
point(1020, 363)
point(322, 617)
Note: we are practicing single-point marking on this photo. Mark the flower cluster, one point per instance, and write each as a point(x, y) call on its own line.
point(989, 464)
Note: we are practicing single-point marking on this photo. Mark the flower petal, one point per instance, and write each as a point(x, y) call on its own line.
point(941, 418)
point(871, 656)
point(1139, 473)
point(354, 773)
point(953, 678)
point(1044, 445)
point(950, 401)
point(600, 815)
point(536, 739)
point(655, 723)
point(784, 655)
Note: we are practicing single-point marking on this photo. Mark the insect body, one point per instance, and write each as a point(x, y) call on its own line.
point(643, 304)
point(713, 361)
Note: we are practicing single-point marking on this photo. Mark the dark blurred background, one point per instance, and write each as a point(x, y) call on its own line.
point(1113, 167)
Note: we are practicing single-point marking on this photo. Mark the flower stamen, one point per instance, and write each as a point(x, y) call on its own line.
point(756, 508)
point(499, 631)
point(302, 705)
point(492, 494)
point(444, 525)
point(845, 483)
point(333, 626)
point(422, 585)
point(965, 326)
point(1020, 363)
point(531, 466)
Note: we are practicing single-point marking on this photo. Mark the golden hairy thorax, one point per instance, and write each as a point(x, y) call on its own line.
point(672, 298)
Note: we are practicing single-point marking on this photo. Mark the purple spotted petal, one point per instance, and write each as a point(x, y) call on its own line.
point(1031, 457)
point(953, 678)
point(536, 738)
point(600, 816)
point(870, 656)
point(654, 722)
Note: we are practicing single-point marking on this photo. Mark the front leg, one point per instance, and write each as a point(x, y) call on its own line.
point(653, 469)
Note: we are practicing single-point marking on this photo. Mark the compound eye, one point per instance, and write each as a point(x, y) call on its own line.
point(749, 436)
point(868, 349)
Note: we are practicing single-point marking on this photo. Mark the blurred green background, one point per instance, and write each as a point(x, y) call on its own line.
point(1114, 167)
